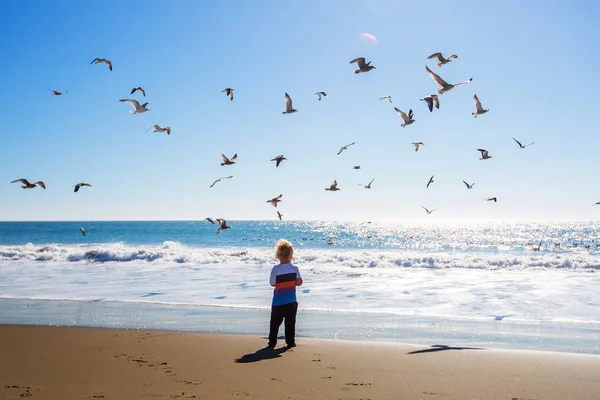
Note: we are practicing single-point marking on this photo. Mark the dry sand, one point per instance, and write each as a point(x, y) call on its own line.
point(89, 363)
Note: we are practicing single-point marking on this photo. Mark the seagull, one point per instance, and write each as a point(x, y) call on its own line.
point(320, 94)
point(278, 160)
point(279, 215)
point(222, 225)
point(57, 93)
point(344, 148)
point(430, 182)
point(478, 109)
point(495, 200)
point(158, 128)
point(356, 167)
point(28, 185)
point(288, 105)
point(386, 98)
point(362, 65)
point(219, 180)
point(227, 161)
point(417, 144)
point(469, 186)
point(367, 186)
point(140, 89)
point(538, 247)
point(522, 146)
point(82, 231)
point(596, 203)
point(209, 219)
point(333, 187)
point(408, 119)
point(275, 200)
point(79, 185)
point(137, 109)
point(99, 60)
point(431, 100)
point(429, 211)
point(484, 154)
point(445, 85)
point(441, 58)
point(228, 92)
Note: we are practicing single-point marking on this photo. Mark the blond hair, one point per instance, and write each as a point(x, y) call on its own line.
point(284, 249)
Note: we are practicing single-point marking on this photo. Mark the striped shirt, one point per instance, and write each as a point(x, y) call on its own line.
point(283, 277)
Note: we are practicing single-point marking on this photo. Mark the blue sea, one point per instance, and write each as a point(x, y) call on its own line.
point(527, 285)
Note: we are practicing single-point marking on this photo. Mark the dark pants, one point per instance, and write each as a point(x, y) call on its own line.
point(278, 314)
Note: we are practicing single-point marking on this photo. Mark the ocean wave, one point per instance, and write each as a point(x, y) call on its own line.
point(319, 260)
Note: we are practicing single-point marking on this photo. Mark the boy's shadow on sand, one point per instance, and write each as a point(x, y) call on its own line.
point(265, 353)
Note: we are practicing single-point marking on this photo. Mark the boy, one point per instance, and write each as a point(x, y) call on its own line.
point(284, 277)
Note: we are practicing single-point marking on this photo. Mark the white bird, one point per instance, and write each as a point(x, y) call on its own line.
point(220, 179)
point(362, 65)
point(408, 119)
point(484, 154)
point(138, 88)
point(160, 129)
point(368, 186)
point(386, 98)
point(28, 185)
point(288, 105)
point(275, 200)
point(521, 146)
point(222, 225)
point(57, 93)
point(432, 100)
point(333, 187)
point(82, 231)
point(417, 144)
point(429, 211)
point(469, 186)
point(478, 109)
point(228, 161)
point(320, 94)
point(344, 148)
point(495, 200)
point(99, 60)
point(445, 85)
point(228, 92)
point(441, 58)
point(137, 109)
point(430, 182)
point(278, 160)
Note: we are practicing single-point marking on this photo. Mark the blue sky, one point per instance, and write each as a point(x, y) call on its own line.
point(532, 63)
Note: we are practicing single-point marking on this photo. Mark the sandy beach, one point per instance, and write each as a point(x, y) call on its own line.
point(91, 363)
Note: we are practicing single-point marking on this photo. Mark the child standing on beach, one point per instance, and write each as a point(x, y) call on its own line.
point(284, 277)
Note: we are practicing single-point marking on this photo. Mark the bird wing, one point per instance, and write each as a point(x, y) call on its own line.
point(410, 113)
point(222, 222)
point(519, 143)
point(109, 64)
point(214, 183)
point(429, 102)
point(77, 187)
point(143, 91)
point(168, 129)
point(416, 146)
point(425, 209)
point(234, 157)
point(134, 103)
point(436, 78)
point(333, 184)
point(94, 60)
point(133, 91)
point(278, 197)
point(436, 55)
point(371, 182)
point(145, 104)
point(453, 56)
point(483, 152)
point(402, 114)
point(42, 184)
point(529, 144)
point(225, 159)
point(288, 102)
point(318, 95)
point(22, 180)
point(477, 103)
point(360, 61)
point(466, 184)
point(436, 101)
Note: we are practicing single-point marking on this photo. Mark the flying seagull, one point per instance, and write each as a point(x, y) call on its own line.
point(57, 93)
point(279, 215)
point(228, 92)
point(367, 186)
point(484, 154)
point(362, 65)
point(288, 105)
point(356, 167)
point(220, 179)
point(222, 225)
point(495, 200)
point(441, 58)
point(417, 144)
point(596, 203)
point(430, 182)
point(429, 211)
point(228, 161)
point(137, 109)
point(99, 60)
point(386, 98)
point(320, 95)
point(275, 200)
point(445, 86)
point(431, 100)
point(408, 119)
point(79, 185)
point(138, 88)
point(28, 185)
point(333, 187)
point(344, 148)
point(278, 160)
point(82, 231)
point(522, 146)
point(209, 219)
point(469, 186)
point(158, 128)
point(478, 109)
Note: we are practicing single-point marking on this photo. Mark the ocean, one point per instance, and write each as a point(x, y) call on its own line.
point(515, 285)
